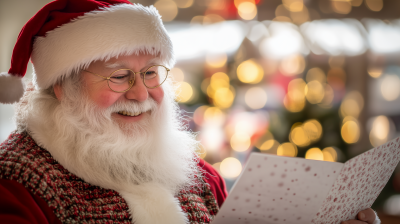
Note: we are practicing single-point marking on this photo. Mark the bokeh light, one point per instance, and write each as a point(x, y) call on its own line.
point(230, 167)
point(223, 97)
point(184, 92)
point(184, 3)
point(330, 154)
point(375, 72)
point(287, 149)
point(314, 92)
point(293, 5)
point(256, 98)
point(314, 154)
point(213, 115)
point(313, 129)
point(390, 87)
point(380, 131)
point(316, 74)
point(294, 100)
point(350, 130)
point(250, 72)
point(292, 65)
point(341, 6)
point(198, 115)
point(352, 104)
point(167, 9)
point(240, 142)
point(247, 10)
point(299, 136)
point(177, 74)
point(268, 145)
point(216, 60)
point(374, 5)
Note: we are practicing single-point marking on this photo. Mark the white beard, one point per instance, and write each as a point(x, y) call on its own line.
point(147, 162)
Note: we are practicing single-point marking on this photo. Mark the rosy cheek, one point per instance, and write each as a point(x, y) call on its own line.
point(105, 100)
point(157, 94)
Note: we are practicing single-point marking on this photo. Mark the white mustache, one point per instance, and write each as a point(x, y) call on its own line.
point(133, 107)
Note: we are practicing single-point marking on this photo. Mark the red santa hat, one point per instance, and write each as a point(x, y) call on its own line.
point(67, 35)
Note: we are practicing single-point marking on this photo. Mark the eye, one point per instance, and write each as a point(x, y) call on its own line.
point(120, 76)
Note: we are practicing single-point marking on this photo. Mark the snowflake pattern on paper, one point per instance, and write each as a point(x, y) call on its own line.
point(359, 183)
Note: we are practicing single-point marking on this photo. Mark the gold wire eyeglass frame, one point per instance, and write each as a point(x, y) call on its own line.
point(132, 81)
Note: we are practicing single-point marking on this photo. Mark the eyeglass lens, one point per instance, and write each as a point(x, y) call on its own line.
point(123, 79)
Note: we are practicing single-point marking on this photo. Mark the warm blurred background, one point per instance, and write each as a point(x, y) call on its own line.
point(318, 79)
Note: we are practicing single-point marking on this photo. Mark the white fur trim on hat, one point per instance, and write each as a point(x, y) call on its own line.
point(99, 35)
point(11, 88)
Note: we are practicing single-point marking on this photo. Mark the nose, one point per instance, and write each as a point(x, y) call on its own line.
point(138, 91)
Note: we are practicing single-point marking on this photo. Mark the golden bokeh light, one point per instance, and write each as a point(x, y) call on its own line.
point(204, 85)
point(299, 137)
point(196, 20)
point(294, 100)
point(269, 144)
point(314, 92)
point(380, 131)
point(356, 3)
point(301, 16)
point(292, 65)
point(167, 9)
point(263, 139)
point(247, 10)
point(256, 98)
point(213, 18)
point(328, 97)
point(350, 130)
point(375, 72)
point(184, 3)
point(223, 97)
point(352, 104)
point(250, 72)
point(184, 92)
point(313, 129)
point(341, 6)
point(230, 167)
point(238, 2)
point(293, 5)
point(330, 154)
point(314, 154)
point(374, 5)
point(316, 74)
point(213, 115)
point(287, 149)
point(240, 142)
point(198, 115)
point(177, 74)
point(390, 87)
point(216, 60)
point(282, 11)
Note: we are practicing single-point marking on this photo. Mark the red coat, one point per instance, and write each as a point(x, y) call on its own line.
point(19, 203)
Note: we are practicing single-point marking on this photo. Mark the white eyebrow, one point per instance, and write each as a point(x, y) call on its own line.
point(114, 65)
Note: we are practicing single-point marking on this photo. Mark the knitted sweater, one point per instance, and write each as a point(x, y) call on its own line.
point(73, 200)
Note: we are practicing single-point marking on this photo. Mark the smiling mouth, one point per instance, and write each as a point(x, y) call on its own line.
point(131, 114)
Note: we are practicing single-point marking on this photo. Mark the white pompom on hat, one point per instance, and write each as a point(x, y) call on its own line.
point(67, 35)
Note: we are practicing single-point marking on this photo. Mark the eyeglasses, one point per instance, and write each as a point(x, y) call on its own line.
point(122, 80)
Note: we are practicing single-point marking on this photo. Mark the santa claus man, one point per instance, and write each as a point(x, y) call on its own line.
point(99, 137)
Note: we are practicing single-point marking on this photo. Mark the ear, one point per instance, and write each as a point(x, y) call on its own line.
point(58, 91)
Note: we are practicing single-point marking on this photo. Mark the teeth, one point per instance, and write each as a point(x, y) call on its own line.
point(127, 113)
